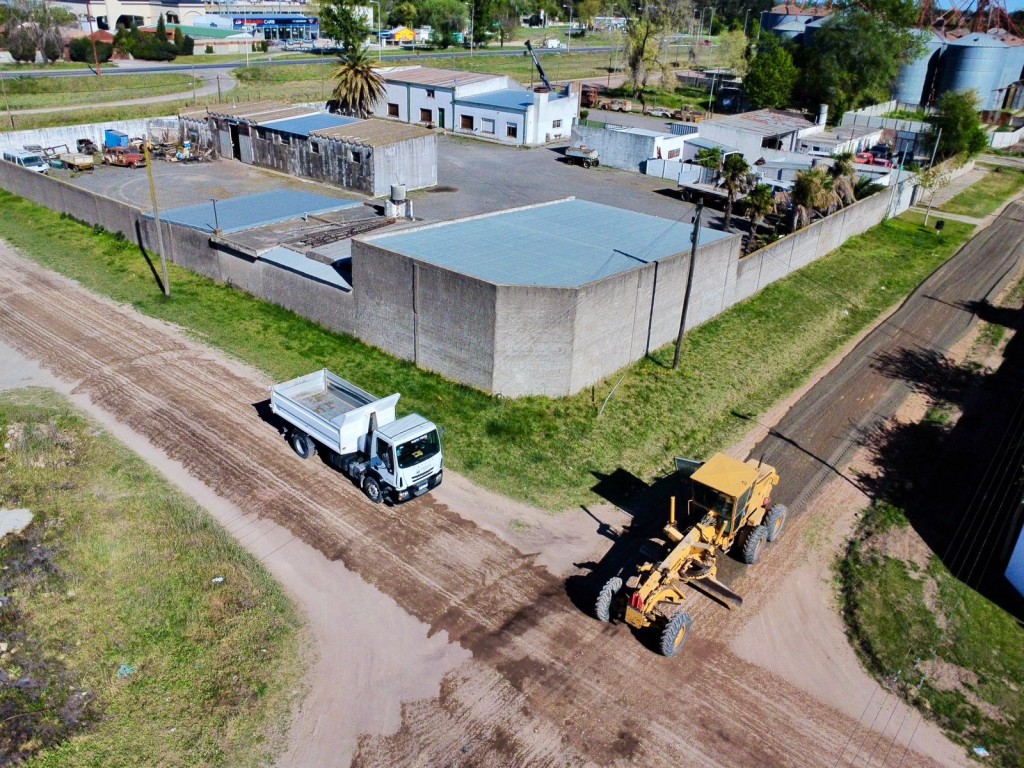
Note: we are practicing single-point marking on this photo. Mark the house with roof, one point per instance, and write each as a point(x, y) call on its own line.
point(473, 103)
point(765, 129)
point(366, 156)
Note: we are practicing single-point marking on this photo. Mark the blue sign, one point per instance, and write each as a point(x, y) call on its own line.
point(265, 21)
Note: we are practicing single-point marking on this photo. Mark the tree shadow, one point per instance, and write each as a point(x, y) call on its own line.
point(960, 484)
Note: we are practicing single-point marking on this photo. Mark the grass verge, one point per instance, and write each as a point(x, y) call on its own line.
point(24, 122)
point(952, 653)
point(33, 92)
point(986, 195)
point(561, 447)
point(119, 647)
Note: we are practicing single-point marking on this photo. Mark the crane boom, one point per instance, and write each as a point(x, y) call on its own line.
point(540, 69)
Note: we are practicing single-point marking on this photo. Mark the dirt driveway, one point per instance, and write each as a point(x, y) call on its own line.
point(426, 613)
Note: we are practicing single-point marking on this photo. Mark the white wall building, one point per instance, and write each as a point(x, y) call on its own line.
point(489, 106)
point(765, 129)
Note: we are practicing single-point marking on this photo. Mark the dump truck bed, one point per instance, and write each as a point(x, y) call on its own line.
point(333, 411)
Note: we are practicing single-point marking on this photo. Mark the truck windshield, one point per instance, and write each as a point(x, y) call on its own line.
point(712, 500)
point(33, 161)
point(418, 449)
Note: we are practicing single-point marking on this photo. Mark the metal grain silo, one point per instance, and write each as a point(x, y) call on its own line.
point(1013, 69)
point(975, 61)
point(916, 80)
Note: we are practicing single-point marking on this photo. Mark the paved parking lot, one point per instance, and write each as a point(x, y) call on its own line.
point(474, 177)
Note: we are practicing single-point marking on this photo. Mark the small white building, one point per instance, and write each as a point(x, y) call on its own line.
point(630, 148)
point(489, 106)
point(765, 129)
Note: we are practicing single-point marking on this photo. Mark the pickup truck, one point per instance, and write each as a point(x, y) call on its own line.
point(583, 155)
point(389, 458)
point(123, 156)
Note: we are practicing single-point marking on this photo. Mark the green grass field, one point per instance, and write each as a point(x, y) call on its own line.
point(33, 92)
point(976, 636)
point(140, 657)
point(558, 445)
point(985, 196)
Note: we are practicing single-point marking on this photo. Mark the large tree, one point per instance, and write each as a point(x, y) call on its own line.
point(854, 58)
point(342, 21)
point(645, 37)
point(445, 17)
point(737, 180)
point(771, 76)
point(957, 118)
point(760, 201)
point(357, 86)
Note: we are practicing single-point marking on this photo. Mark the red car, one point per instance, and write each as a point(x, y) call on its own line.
point(123, 157)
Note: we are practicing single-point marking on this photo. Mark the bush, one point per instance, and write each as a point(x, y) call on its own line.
point(189, 46)
point(209, 48)
point(21, 44)
point(264, 45)
point(81, 50)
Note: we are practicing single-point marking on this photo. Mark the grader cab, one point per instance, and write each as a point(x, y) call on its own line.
point(730, 502)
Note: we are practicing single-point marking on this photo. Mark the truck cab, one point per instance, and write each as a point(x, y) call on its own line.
point(406, 456)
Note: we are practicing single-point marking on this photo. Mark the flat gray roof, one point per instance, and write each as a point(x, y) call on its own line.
point(236, 214)
point(564, 244)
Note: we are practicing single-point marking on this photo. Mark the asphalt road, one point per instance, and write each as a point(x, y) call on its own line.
point(814, 440)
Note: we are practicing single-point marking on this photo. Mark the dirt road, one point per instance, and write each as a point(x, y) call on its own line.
point(545, 684)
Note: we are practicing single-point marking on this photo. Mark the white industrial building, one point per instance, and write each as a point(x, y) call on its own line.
point(488, 106)
point(765, 129)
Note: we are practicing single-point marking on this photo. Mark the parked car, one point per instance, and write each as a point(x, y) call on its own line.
point(123, 156)
point(661, 112)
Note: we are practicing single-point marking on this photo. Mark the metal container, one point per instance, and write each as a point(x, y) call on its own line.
point(398, 193)
point(916, 80)
point(975, 62)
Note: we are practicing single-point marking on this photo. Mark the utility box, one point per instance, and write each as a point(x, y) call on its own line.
point(113, 139)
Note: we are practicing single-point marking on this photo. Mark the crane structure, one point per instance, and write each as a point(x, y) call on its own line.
point(540, 69)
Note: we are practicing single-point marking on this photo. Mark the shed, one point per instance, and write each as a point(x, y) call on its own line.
point(753, 132)
point(630, 148)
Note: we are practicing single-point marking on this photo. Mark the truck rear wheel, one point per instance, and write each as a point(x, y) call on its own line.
point(372, 489)
point(586, 163)
point(302, 444)
point(754, 544)
point(603, 606)
point(776, 521)
point(673, 636)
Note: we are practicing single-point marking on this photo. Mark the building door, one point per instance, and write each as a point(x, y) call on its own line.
point(440, 116)
point(236, 152)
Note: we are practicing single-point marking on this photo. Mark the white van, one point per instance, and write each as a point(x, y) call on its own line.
point(26, 160)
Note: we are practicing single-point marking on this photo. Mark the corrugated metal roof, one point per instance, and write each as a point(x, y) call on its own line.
point(979, 40)
point(296, 262)
point(638, 131)
point(444, 78)
point(236, 214)
point(374, 132)
point(507, 98)
point(766, 122)
point(305, 125)
point(258, 111)
point(564, 244)
point(703, 143)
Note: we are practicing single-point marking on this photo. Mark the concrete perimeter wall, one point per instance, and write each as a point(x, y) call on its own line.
point(70, 134)
point(326, 304)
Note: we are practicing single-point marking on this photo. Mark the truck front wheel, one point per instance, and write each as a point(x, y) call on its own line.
point(302, 444)
point(372, 489)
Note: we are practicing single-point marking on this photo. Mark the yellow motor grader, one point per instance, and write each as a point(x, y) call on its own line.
point(731, 501)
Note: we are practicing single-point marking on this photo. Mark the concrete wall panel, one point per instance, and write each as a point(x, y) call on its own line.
point(382, 282)
point(533, 340)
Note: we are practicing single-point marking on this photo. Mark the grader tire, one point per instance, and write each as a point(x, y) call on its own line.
point(673, 636)
point(776, 521)
point(754, 545)
point(603, 606)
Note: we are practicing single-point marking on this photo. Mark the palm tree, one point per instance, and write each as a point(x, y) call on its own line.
point(358, 87)
point(844, 177)
point(737, 179)
point(760, 202)
point(709, 158)
point(811, 193)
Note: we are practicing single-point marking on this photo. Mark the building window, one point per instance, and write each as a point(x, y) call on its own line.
point(512, 130)
point(672, 153)
point(355, 156)
point(487, 126)
point(314, 147)
point(467, 122)
point(392, 110)
point(426, 115)
point(430, 93)
point(556, 124)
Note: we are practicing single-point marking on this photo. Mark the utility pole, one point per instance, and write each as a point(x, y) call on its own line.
point(3, 84)
point(935, 149)
point(694, 237)
point(156, 217)
point(193, 85)
point(95, 55)
point(745, 17)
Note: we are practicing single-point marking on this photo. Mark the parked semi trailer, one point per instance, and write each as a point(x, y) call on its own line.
point(388, 457)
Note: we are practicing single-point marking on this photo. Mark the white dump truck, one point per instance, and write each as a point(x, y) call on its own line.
point(389, 458)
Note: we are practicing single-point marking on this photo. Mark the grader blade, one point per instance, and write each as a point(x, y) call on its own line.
point(717, 591)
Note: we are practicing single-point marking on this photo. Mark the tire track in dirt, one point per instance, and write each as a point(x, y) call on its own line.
point(547, 685)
